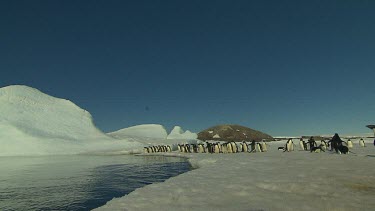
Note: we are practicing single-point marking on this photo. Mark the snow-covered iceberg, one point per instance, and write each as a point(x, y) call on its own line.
point(155, 134)
point(34, 123)
point(178, 133)
point(145, 130)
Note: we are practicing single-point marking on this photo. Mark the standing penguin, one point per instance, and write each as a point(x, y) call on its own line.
point(337, 144)
point(244, 147)
point(234, 146)
point(224, 148)
point(229, 147)
point(289, 145)
point(216, 148)
point(252, 146)
point(349, 143)
point(301, 144)
point(362, 143)
point(264, 146)
point(292, 147)
point(259, 147)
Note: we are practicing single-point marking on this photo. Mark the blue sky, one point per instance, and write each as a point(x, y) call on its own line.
point(282, 67)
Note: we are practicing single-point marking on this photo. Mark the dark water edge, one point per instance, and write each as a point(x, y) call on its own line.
point(141, 176)
point(81, 182)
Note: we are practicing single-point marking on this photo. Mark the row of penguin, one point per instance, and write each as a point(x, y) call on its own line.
point(209, 147)
point(236, 147)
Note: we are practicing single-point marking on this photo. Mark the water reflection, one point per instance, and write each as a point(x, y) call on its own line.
point(78, 182)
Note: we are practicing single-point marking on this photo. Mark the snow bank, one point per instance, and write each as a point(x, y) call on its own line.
point(33, 123)
point(272, 180)
point(145, 130)
point(178, 133)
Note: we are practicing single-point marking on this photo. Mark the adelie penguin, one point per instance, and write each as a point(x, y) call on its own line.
point(362, 143)
point(201, 148)
point(234, 147)
point(289, 146)
point(317, 149)
point(343, 149)
point(216, 148)
point(224, 148)
point(244, 147)
point(349, 143)
point(302, 144)
point(229, 148)
point(264, 146)
point(252, 146)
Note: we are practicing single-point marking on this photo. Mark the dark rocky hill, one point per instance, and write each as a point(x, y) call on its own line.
point(232, 133)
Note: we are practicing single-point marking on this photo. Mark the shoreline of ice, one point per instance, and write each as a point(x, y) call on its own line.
point(271, 180)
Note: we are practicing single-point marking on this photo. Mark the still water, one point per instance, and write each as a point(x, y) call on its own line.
point(79, 182)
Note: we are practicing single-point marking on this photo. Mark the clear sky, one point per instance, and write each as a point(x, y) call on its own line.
point(283, 67)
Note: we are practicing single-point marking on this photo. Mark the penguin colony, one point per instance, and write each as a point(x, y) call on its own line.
point(311, 145)
point(236, 147)
point(228, 147)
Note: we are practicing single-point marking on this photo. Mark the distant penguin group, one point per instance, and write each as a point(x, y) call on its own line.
point(158, 148)
point(227, 147)
point(336, 144)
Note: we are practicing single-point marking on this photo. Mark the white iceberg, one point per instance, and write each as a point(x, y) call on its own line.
point(34, 123)
point(178, 133)
point(145, 130)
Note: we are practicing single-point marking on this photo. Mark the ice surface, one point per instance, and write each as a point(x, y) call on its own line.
point(272, 180)
point(34, 123)
point(178, 133)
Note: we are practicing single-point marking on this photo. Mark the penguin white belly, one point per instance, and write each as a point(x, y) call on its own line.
point(362, 143)
point(264, 147)
point(229, 148)
point(234, 147)
point(244, 147)
point(289, 146)
point(240, 148)
point(224, 149)
point(200, 147)
point(257, 147)
point(350, 144)
point(301, 145)
point(217, 150)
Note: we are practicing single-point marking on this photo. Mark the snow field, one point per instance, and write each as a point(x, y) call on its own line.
point(272, 180)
